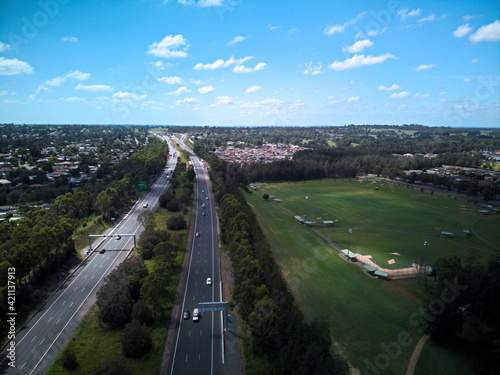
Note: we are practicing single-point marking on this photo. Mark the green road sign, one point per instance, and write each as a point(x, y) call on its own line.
point(142, 185)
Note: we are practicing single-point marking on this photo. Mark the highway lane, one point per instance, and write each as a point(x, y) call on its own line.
point(41, 339)
point(198, 345)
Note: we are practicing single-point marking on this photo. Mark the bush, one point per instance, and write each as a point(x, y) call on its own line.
point(68, 359)
point(136, 339)
point(176, 223)
point(142, 312)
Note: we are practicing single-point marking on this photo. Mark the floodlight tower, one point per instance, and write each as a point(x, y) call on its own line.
point(349, 231)
point(426, 244)
point(305, 202)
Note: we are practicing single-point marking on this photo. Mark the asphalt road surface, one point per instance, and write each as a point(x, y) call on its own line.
point(41, 339)
point(198, 345)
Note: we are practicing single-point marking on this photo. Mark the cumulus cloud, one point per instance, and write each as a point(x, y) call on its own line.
point(244, 69)
point(10, 67)
point(358, 61)
point(169, 47)
point(253, 89)
point(404, 14)
point(393, 87)
point(74, 75)
point(424, 67)
point(206, 89)
point(353, 99)
point(487, 33)
point(187, 101)
point(399, 95)
point(176, 80)
point(310, 69)
point(339, 28)
point(432, 17)
point(221, 63)
point(128, 96)
point(474, 60)
point(69, 39)
point(73, 99)
point(94, 88)
point(419, 95)
point(237, 39)
point(359, 46)
point(180, 91)
point(4, 47)
point(205, 3)
point(462, 31)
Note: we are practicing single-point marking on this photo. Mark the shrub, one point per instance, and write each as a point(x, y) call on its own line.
point(136, 339)
point(68, 359)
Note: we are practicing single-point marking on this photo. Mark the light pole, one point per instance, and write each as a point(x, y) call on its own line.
point(305, 201)
point(426, 244)
point(349, 231)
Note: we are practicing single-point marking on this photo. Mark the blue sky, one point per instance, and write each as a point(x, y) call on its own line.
point(242, 62)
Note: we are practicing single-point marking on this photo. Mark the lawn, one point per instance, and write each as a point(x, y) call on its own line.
point(388, 220)
point(367, 316)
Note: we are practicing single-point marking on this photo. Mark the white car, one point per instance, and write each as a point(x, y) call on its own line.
point(209, 281)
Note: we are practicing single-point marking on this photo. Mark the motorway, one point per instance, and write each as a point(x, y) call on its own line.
point(41, 339)
point(198, 346)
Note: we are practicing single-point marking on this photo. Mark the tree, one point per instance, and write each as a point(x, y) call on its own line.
point(176, 223)
point(68, 359)
point(142, 312)
point(265, 196)
point(264, 319)
point(136, 339)
point(144, 217)
point(115, 306)
point(112, 367)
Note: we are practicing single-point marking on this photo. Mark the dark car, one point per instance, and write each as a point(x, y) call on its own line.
point(186, 314)
point(102, 251)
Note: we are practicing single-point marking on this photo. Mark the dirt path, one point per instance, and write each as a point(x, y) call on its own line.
point(416, 353)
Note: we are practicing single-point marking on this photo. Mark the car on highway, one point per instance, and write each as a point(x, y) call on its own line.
point(186, 314)
point(206, 198)
point(118, 238)
point(203, 191)
point(197, 234)
point(209, 281)
point(102, 250)
point(203, 205)
point(196, 315)
point(203, 213)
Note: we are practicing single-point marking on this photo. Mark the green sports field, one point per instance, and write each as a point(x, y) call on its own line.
point(368, 317)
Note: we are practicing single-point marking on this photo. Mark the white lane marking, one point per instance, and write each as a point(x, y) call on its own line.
point(58, 320)
point(186, 357)
point(82, 290)
point(193, 298)
point(189, 334)
point(62, 304)
point(201, 332)
point(92, 277)
point(71, 304)
point(33, 339)
point(49, 319)
point(199, 356)
point(42, 341)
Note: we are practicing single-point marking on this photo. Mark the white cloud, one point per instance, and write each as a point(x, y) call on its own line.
point(244, 69)
point(4, 47)
point(466, 79)
point(404, 14)
point(41, 88)
point(271, 27)
point(358, 61)
point(353, 99)
point(160, 65)
point(69, 39)
point(3, 92)
point(169, 47)
point(462, 31)
point(424, 67)
point(419, 95)
point(253, 89)
point(187, 101)
point(333, 29)
point(180, 91)
point(237, 39)
point(128, 96)
point(309, 69)
point(442, 93)
point(74, 75)
point(487, 33)
point(94, 88)
point(474, 60)
point(224, 100)
point(197, 82)
point(32, 97)
point(399, 95)
point(10, 67)
point(205, 3)
point(206, 89)
point(176, 80)
point(468, 17)
point(359, 46)
point(73, 99)
point(222, 64)
point(432, 17)
point(393, 87)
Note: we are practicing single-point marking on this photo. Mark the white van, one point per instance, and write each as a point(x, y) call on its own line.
point(145, 205)
point(196, 315)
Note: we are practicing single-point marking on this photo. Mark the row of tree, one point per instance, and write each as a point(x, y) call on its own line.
point(280, 340)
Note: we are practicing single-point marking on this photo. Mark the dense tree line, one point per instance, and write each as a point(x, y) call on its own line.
point(467, 297)
point(280, 340)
